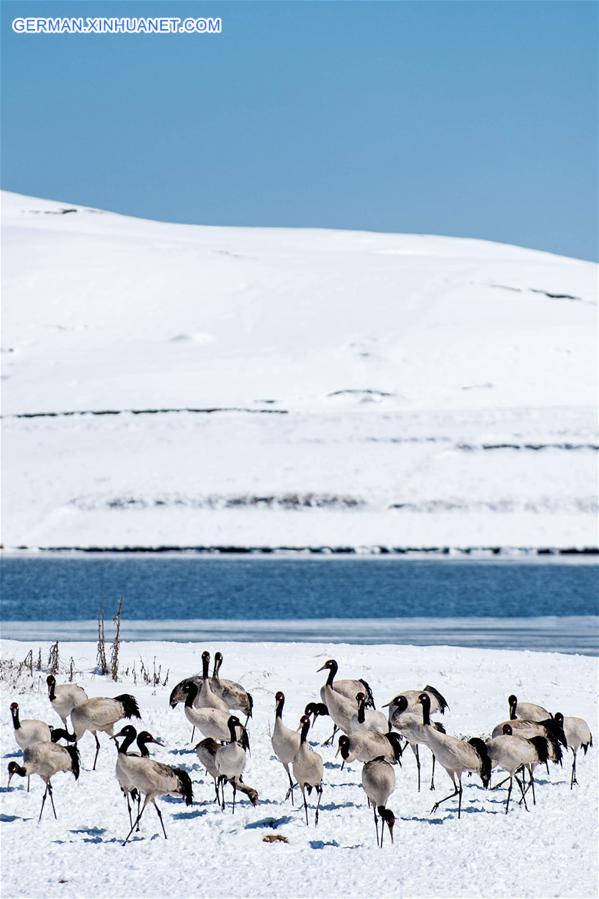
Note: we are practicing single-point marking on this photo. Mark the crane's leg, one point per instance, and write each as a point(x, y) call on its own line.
point(451, 795)
point(523, 791)
point(97, 750)
point(417, 754)
point(305, 803)
point(234, 795)
point(126, 794)
point(572, 779)
point(376, 824)
point(319, 791)
point(216, 790)
point(136, 822)
point(460, 797)
point(221, 783)
point(291, 786)
point(532, 783)
point(52, 800)
point(332, 737)
point(193, 730)
point(433, 773)
point(509, 793)
point(43, 803)
point(28, 779)
point(160, 816)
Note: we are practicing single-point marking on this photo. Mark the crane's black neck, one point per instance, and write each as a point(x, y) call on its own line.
point(426, 713)
point(218, 660)
point(332, 673)
point(280, 704)
point(192, 692)
point(205, 664)
point(305, 729)
point(15, 718)
point(141, 744)
point(52, 690)
point(361, 713)
point(232, 731)
point(127, 741)
point(512, 711)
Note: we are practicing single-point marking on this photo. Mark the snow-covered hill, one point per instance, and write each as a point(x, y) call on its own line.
point(273, 387)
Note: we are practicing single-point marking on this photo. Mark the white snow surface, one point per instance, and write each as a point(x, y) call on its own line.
point(547, 851)
point(437, 391)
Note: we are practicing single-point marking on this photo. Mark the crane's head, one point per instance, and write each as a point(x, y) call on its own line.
point(507, 730)
point(128, 732)
point(388, 818)
point(13, 769)
point(343, 747)
point(360, 697)
point(330, 663)
point(280, 697)
point(14, 707)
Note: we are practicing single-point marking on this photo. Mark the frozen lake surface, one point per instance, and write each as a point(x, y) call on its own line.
point(507, 604)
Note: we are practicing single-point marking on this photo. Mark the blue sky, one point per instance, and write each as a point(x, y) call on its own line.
point(474, 119)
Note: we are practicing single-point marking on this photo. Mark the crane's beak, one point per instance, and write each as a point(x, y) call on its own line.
point(322, 668)
point(158, 742)
point(390, 831)
point(386, 705)
point(10, 776)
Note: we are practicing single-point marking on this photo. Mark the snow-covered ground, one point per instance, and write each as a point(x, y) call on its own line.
point(380, 389)
point(547, 851)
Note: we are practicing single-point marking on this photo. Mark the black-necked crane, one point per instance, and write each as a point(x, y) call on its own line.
point(578, 735)
point(346, 686)
point(153, 779)
point(407, 721)
point(339, 696)
point(455, 755)
point(29, 731)
point(233, 694)
point(365, 719)
point(378, 780)
point(511, 753)
point(46, 760)
point(438, 703)
point(64, 698)
point(100, 714)
point(308, 768)
point(207, 698)
point(206, 752)
point(527, 711)
point(230, 758)
point(285, 742)
point(211, 722)
point(129, 734)
point(367, 745)
point(550, 729)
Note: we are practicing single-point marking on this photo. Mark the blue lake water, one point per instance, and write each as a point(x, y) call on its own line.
point(540, 605)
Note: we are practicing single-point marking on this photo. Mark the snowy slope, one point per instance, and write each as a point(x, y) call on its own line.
point(395, 390)
point(548, 851)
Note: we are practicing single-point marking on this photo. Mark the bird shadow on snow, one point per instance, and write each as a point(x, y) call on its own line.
point(331, 765)
point(182, 751)
point(197, 814)
point(333, 806)
point(12, 755)
point(269, 822)
point(8, 819)
point(321, 844)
